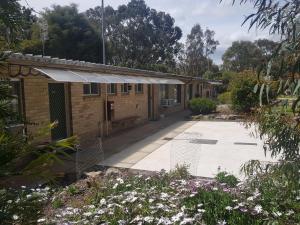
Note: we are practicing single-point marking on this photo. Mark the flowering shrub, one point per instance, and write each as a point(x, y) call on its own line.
point(139, 199)
point(22, 206)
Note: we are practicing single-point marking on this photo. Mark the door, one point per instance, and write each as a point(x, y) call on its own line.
point(150, 106)
point(57, 107)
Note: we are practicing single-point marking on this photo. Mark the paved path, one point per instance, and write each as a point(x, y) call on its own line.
point(92, 155)
point(206, 147)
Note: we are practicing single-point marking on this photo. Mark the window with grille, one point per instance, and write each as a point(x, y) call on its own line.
point(91, 89)
point(139, 88)
point(112, 88)
point(124, 88)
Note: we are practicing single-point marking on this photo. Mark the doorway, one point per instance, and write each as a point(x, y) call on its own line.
point(57, 105)
point(150, 102)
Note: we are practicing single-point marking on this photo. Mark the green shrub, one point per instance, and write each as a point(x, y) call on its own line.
point(224, 177)
point(57, 203)
point(225, 98)
point(202, 106)
point(242, 96)
point(73, 190)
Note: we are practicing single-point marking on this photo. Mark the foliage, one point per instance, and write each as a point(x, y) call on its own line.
point(242, 55)
point(277, 184)
point(225, 97)
point(199, 45)
point(70, 35)
point(23, 206)
point(139, 36)
point(229, 179)
point(242, 96)
point(202, 105)
point(247, 55)
point(15, 24)
point(23, 155)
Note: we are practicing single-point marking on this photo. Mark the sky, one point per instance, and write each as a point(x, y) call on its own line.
point(223, 18)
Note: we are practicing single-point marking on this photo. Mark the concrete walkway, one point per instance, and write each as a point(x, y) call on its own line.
point(95, 155)
point(207, 147)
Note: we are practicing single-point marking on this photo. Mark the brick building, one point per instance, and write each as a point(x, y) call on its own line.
point(91, 100)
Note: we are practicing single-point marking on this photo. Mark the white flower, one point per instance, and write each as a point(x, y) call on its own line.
point(177, 217)
point(290, 212)
point(120, 180)
point(148, 219)
point(23, 187)
point(28, 196)
point(229, 208)
point(151, 200)
point(164, 221)
point(87, 214)
point(201, 210)
point(102, 202)
point(258, 208)
point(164, 195)
point(121, 222)
point(222, 222)
point(200, 205)
point(15, 217)
point(277, 214)
point(132, 200)
point(9, 201)
point(215, 188)
point(251, 198)
point(41, 220)
point(187, 221)
point(128, 185)
point(115, 186)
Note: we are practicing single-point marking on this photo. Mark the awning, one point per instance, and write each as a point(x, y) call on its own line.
point(90, 77)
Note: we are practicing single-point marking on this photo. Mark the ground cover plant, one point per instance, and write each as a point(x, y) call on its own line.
point(160, 198)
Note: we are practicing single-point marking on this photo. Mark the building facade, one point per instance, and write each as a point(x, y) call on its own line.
point(91, 100)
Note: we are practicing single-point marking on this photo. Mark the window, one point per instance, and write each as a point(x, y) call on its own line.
point(111, 88)
point(15, 91)
point(16, 103)
point(139, 88)
point(124, 88)
point(91, 89)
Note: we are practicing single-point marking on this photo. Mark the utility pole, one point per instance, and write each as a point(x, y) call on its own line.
point(103, 36)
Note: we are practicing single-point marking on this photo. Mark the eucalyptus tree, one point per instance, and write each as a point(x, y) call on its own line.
point(139, 36)
point(280, 128)
point(241, 55)
point(199, 46)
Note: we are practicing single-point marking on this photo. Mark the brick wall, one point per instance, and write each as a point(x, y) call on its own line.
point(36, 103)
point(87, 114)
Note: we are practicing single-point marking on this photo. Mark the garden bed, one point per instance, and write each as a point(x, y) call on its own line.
point(120, 197)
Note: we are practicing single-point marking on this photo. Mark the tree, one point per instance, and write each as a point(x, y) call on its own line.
point(70, 35)
point(15, 24)
point(138, 36)
point(281, 129)
point(210, 44)
point(242, 55)
point(199, 46)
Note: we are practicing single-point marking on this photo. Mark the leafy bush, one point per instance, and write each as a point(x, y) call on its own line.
point(225, 98)
point(224, 177)
point(242, 96)
point(202, 106)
